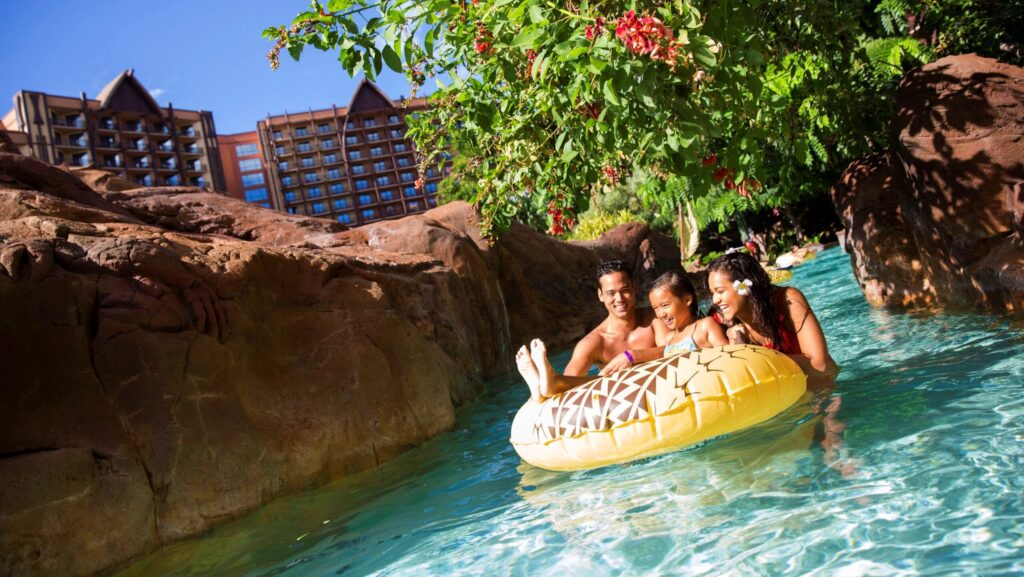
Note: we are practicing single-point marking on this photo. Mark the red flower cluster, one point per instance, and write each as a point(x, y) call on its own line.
point(531, 55)
point(648, 35)
point(592, 110)
point(595, 30)
point(612, 175)
point(419, 183)
point(725, 176)
point(710, 159)
point(559, 223)
point(483, 39)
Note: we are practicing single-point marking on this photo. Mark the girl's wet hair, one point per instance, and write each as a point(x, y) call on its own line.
point(676, 283)
point(741, 266)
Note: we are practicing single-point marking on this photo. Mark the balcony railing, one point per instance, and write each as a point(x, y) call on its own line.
point(106, 125)
point(142, 164)
point(168, 166)
point(136, 146)
point(188, 131)
point(71, 123)
point(192, 150)
point(195, 166)
point(135, 127)
point(79, 161)
point(165, 147)
point(113, 163)
point(160, 130)
point(107, 144)
point(76, 142)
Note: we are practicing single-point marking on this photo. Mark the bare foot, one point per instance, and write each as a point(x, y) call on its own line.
point(529, 373)
point(546, 374)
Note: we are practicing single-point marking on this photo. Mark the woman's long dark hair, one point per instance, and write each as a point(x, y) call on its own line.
point(680, 286)
point(741, 266)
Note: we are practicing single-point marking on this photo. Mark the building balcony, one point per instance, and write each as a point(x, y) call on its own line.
point(189, 131)
point(79, 162)
point(140, 165)
point(106, 124)
point(167, 166)
point(113, 163)
point(107, 144)
point(192, 150)
point(137, 147)
point(68, 122)
point(159, 130)
point(194, 167)
point(165, 148)
point(72, 143)
point(134, 127)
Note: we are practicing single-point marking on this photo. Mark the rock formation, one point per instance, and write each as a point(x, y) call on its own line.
point(937, 220)
point(173, 358)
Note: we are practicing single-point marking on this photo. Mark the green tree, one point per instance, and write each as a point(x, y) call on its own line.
point(549, 102)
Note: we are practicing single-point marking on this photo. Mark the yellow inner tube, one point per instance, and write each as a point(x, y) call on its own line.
point(657, 407)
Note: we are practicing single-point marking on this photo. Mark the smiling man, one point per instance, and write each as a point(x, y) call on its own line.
point(608, 346)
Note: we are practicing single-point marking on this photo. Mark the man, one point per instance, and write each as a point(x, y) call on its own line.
point(609, 346)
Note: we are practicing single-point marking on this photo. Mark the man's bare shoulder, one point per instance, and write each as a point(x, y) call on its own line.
point(645, 317)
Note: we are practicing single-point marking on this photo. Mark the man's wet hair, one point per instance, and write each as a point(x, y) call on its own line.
point(610, 266)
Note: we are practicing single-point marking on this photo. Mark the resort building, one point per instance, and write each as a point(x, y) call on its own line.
point(244, 175)
point(351, 164)
point(123, 130)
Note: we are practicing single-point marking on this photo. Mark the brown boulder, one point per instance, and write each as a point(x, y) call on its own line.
point(174, 358)
point(937, 220)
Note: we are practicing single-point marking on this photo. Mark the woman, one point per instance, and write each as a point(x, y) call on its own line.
point(675, 304)
point(759, 313)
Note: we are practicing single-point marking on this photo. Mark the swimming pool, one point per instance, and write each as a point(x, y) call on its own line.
point(914, 464)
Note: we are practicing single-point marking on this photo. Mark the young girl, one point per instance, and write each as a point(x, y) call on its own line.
point(759, 313)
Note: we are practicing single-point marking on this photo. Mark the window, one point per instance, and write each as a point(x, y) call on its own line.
point(369, 122)
point(327, 143)
point(280, 151)
point(307, 161)
point(246, 150)
point(256, 195)
point(351, 140)
point(265, 204)
point(322, 128)
point(400, 147)
point(431, 172)
point(277, 135)
point(431, 187)
point(383, 180)
point(404, 161)
point(414, 205)
point(319, 208)
point(291, 210)
point(252, 179)
point(283, 165)
point(287, 180)
point(396, 133)
point(354, 155)
point(337, 188)
point(368, 213)
point(387, 195)
point(302, 131)
point(407, 177)
point(362, 184)
point(340, 203)
point(350, 125)
point(358, 169)
point(305, 147)
point(391, 210)
point(393, 119)
point(345, 218)
point(410, 191)
point(330, 158)
point(372, 136)
point(310, 177)
point(173, 180)
point(289, 196)
point(376, 151)
point(365, 199)
point(198, 181)
point(249, 164)
point(107, 123)
point(313, 192)
point(380, 165)
point(334, 173)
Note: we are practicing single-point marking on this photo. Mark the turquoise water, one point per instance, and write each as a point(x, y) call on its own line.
point(912, 465)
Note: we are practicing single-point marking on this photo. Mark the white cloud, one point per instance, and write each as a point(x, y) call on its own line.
point(157, 92)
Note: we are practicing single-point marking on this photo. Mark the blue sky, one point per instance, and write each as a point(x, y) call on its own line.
point(200, 55)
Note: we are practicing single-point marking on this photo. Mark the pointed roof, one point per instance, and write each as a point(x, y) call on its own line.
point(126, 93)
point(368, 96)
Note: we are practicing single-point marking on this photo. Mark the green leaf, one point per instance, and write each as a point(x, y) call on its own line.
point(596, 65)
point(537, 14)
point(527, 37)
point(428, 42)
point(609, 93)
point(396, 16)
point(392, 59)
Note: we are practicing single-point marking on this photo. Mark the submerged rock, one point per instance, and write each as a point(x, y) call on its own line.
point(938, 219)
point(173, 358)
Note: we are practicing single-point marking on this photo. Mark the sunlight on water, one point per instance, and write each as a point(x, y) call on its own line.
point(913, 465)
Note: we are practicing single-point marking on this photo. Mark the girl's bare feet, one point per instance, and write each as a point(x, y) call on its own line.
point(529, 373)
point(546, 374)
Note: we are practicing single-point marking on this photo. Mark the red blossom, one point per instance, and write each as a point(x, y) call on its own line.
point(595, 30)
point(611, 174)
point(719, 174)
point(648, 35)
point(710, 159)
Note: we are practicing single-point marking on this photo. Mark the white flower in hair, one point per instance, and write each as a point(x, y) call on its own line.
point(742, 287)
